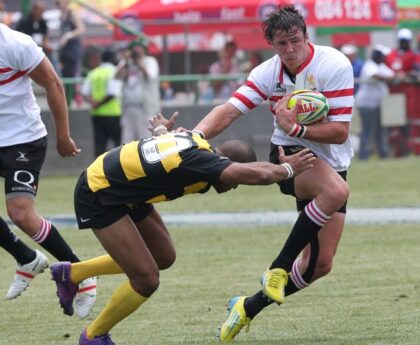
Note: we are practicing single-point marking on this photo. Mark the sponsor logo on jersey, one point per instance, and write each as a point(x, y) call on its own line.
point(310, 82)
point(280, 88)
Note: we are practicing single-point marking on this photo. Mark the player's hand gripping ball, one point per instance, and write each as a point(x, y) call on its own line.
point(313, 106)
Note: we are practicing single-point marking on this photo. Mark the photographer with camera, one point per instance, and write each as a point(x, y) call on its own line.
point(139, 73)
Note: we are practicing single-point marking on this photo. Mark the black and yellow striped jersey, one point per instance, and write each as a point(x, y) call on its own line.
point(155, 169)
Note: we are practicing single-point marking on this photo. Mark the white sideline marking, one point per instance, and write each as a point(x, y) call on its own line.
point(356, 216)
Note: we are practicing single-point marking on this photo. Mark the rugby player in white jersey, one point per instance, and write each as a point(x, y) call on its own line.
point(321, 192)
point(23, 145)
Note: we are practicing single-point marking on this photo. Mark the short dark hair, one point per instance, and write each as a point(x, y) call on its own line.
point(237, 151)
point(284, 19)
point(230, 44)
point(108, 56)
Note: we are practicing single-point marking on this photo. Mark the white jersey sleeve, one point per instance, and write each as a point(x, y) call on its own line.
point(339, 89)
point(258, 87)
point(331, 73)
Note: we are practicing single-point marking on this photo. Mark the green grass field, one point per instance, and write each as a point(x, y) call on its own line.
point(372, 297)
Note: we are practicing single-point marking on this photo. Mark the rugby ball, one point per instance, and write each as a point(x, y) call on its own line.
point(313, 106)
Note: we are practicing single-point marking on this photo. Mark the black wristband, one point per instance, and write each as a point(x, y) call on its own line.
point(302, 131)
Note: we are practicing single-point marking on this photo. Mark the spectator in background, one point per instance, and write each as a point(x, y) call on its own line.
point(150, 67)
point(35, 26)
point(375, 75)
point(70, 47)
point(141, 90)
point(417, 67)
point(227, 64)
point(255, 58)
point(204, 86)
point(102, 91)
point(166, 90)
point(352, 53)
point(2, 10)
point(4, 16)
point(402, 60)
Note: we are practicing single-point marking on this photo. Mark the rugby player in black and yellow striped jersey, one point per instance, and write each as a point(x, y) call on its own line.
point(115, 197)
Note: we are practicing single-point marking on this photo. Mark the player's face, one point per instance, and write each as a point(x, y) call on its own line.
point(292, 48)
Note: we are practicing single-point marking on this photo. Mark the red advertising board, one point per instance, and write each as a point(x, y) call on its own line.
point(159, 17)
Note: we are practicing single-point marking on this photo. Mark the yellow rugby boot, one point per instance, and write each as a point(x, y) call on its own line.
point(235, 321)
point(273, 283)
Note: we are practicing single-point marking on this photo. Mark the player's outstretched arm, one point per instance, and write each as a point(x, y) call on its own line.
point(265, 173)
point(45, 76)
point(218, 119)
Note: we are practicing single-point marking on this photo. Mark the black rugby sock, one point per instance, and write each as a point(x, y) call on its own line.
point(254, 304)
point(305, 230)
point(14, 246)
point(50, 239)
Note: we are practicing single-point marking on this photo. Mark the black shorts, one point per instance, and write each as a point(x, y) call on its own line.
point(288, 186)
point(90, 213)
point(20, 166)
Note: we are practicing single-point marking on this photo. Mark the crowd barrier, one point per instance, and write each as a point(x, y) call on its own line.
point(255, 128)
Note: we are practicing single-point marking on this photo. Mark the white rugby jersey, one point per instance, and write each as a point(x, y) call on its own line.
point(328, 71)
point(20, 119)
